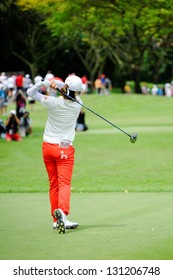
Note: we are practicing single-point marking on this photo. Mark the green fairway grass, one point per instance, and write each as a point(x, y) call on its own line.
point(106, 161)
point(121, 192)
point(120, 226)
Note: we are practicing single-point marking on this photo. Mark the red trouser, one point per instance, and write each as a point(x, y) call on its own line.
point(59, 164)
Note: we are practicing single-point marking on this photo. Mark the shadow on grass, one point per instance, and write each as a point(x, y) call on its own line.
point(86, 227)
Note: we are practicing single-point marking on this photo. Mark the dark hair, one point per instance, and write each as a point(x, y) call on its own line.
point(72, 94)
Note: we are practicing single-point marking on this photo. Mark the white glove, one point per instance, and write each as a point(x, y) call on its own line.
point(46, 83)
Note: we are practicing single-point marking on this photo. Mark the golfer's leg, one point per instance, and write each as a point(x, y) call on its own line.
point(51, 167)
point(53, 185)
point(65, 170)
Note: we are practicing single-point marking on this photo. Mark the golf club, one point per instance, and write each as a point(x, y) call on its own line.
point(133, 137)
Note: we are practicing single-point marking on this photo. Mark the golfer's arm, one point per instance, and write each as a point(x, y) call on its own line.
point(33, 91)
point(59, 84)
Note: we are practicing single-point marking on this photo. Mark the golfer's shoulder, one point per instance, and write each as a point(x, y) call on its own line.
point(79, 99)
point(49, 101)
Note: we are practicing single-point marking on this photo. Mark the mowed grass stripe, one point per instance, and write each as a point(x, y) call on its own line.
point(131, 130)
point(112, 226)
point(104, 163)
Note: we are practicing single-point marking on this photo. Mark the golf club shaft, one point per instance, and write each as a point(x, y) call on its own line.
point(75, 100)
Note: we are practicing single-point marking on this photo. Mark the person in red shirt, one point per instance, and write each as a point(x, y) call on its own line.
point(19, 81)
point(85, 84)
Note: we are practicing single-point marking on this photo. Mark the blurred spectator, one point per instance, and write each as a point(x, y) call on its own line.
point(3, 77)
point(2, 129)
point(154, 90)
point(31, 102)
point(102, 78)
point(11, 85)
point(25, 125)
point(20, 103)
point(168, 90)
point(163, 90)
point(145, 90)
point(49, 75)
point(26, 83)
point(12, 127)
point(108, 86)
point(80, 124)
point(85, 84)
point(2, 99)
point(127, 88)
point(38, 78)
point(19, 82)
point(98, 85)
point(160, 91)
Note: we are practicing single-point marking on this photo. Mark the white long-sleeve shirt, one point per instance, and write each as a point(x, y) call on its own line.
point(62, 114)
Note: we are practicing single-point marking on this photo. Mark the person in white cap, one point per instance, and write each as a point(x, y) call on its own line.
point(26, 82)
point(57, 147)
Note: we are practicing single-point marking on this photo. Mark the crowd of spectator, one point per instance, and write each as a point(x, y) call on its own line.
point(155, 90)
point(166, 90)
point(13, 89)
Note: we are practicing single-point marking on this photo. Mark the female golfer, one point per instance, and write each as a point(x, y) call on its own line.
point(57, 147)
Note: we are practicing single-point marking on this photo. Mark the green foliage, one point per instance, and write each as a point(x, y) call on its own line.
point(126, 31)
point(5, 4)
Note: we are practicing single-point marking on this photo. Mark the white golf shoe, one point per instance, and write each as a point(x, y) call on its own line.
point(71, 225)
point(68, 225)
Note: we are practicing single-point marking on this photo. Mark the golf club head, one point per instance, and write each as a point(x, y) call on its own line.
point(133, 137)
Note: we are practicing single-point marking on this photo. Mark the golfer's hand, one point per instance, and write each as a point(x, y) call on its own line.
point(64, 88)
point(53, 84)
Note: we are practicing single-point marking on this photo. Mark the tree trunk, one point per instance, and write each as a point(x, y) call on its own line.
point(34, 70)
point(137, 79)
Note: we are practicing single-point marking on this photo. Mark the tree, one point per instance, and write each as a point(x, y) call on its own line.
point(126, 30)
point(5, 5)
point(29, 38)
point(133, 29)
point(67, 28)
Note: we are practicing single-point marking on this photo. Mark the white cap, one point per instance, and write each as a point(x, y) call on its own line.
point(13, 112)
point(74, 83)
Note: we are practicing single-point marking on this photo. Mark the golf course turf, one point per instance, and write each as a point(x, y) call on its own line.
point(112, 226)
point(122, 193)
